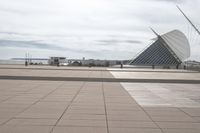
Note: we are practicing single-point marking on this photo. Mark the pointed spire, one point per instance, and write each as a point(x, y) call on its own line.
point(154, 32)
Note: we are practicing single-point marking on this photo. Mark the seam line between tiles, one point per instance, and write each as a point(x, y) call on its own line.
point(104, 100)
point(68, 106)
point(143, 110)
point(33, 103)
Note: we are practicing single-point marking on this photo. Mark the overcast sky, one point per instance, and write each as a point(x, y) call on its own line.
point(100, 29)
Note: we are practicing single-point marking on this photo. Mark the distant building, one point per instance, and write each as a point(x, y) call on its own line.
point(57, 60)
point(170, 49)
point(96, 62)
point(192, 65)
point(93, 62)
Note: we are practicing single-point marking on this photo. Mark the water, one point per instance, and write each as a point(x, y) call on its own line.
point(19, 62)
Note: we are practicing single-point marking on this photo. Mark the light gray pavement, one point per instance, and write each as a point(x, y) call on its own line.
point(54, 71)
point(28, 106)
point(98, 74)
point(156, 74)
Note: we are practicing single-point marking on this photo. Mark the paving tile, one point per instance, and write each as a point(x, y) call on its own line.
point(5, 107)
point(86, 111)
point(156, 108)
point(118, 108)
point(117, 100)
point(126, 106)
point(87, 104)
point(3, 120)
point(129, 117)
point(7, 115)
point(166, 113)
point(134, 130)
point(192, 111)
point(25, 129)
point(79, 130)
point(50, 105)
point(84, 117)
point(87, 107)
point(33, 122)
point(180, 130)
point(129, 113)
point(179, 125)
point(89, 123)
point(173, 118)
point(196, 119)
point(28, 101)
point(58, 98)
point(3, 98)
point(40, 113)
point(126, 112)
point(131, 124)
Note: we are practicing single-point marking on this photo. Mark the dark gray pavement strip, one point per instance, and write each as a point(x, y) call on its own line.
point(100, 79)
point(91, 69)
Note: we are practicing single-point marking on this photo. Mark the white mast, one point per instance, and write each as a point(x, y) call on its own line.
point(188, 20)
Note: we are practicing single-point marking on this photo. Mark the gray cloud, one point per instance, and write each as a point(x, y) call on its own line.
point(174, 1)
point(45, 46)
point(32, 34)
point(119, 41)
point(97, 28)
point(29, 44)
point(15, 33)
point(15, 11)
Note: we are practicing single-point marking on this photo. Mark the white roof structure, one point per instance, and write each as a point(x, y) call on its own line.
point(169, 49)
point(178, 43)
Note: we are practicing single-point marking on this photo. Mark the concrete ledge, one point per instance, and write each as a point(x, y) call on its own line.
point(102, 69)
point(4, 77)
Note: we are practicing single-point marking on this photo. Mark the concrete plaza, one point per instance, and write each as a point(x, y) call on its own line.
point(85, 105)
